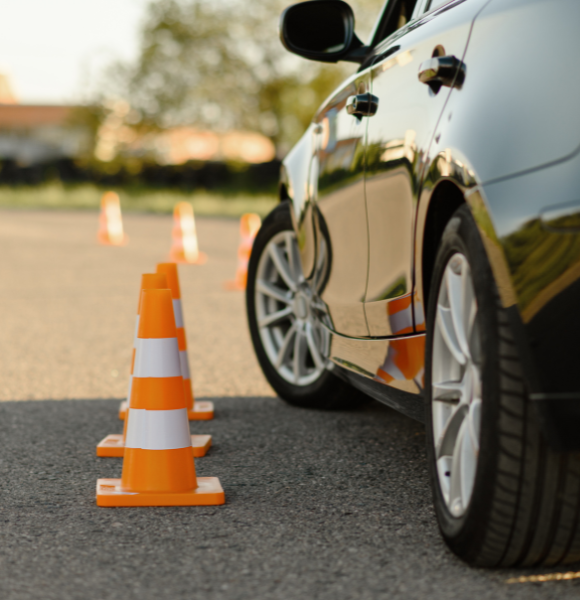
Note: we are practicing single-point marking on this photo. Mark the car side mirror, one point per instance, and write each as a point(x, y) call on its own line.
point(321, 30)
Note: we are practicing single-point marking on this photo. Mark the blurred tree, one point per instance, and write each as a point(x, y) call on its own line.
point(220, 64)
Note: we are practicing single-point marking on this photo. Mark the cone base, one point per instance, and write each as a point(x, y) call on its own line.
point(233, 286)
point(201, 411)
point(181, 260)
point(123, 410)
point(209, 492)
point(114, 446)
point(104, 240)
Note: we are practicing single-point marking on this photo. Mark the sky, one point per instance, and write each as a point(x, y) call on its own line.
point(52, 49)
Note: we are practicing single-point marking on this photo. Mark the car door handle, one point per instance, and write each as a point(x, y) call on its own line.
point(442, 70)
point(362, 105)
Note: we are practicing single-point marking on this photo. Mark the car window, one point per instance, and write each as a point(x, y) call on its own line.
point(397, 14)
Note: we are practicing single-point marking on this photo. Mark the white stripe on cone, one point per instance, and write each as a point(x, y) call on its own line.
point(157, 357)
point(158, 429)
point(184, 364)
point(178, 313)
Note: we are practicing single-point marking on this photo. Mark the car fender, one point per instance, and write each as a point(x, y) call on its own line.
point(298, 185)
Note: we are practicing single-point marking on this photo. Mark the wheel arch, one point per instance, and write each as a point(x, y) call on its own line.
point(445, 199)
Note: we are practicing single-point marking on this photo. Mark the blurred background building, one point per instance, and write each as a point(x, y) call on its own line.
point(33, 134)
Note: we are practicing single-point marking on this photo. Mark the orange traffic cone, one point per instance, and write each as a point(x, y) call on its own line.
point(197, 411)
point(158, 469)
point(250, 224)
point(110, 221)
point(114, 444)
point(185, 248)
point(149, 281)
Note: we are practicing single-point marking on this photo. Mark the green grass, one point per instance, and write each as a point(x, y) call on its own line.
point(87, 196)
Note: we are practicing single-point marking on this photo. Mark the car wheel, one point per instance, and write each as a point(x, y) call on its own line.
point(502, 496)
point(284, 316)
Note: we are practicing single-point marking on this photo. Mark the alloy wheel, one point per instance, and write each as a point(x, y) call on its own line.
point(289, 311)
point(456, 385)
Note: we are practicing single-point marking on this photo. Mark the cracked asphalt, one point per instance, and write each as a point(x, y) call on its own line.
point(318, 505)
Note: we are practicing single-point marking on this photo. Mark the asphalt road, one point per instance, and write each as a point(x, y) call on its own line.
point(319, 505)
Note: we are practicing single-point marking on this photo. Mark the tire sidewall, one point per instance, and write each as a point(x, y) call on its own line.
point(465, 535)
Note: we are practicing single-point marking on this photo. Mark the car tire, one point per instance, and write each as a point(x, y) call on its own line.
point(312, 384)
point(524, 504)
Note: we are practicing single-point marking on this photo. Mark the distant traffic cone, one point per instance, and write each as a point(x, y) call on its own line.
point(158, 469)
point(197, 411)
point(185, 248)
point(250, 224)
point(110, 221)
point(114, 444)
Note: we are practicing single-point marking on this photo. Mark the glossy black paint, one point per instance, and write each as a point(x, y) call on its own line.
point(501, 132)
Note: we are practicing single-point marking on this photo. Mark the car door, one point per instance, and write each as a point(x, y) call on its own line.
point(398, 138)
point(337, 173)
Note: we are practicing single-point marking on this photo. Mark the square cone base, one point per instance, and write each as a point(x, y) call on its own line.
point(180, 258)
point(209, 492)
point(113, 445)
point(123, 410)
point(201, 411)
point(234, 286)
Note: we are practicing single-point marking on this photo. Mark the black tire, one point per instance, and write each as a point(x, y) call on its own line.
point(328, 391)
point(524, 509)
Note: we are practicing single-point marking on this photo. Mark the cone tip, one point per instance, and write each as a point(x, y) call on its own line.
point(170, 271)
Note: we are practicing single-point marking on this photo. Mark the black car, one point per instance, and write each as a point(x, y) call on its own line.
point(426, 253)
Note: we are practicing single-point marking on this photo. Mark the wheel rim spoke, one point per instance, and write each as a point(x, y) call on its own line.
point(445, 322)
point(473, 422)
point(282, 266)
point(468, 463)
point(456, 285)
point(285, 347)
point(276, 317)
point(448, 391)
point(293, 257)
point(269, 289)
point(313, 347)
point(448, 440)
point(456, 503)
point(299, 354)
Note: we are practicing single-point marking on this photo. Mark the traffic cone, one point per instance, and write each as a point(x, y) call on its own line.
point(197, 411)
point(158, 468)
point(114, 444)
point(110, 221)
point(250, 224)
point(149, 281)
point(185, 248)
